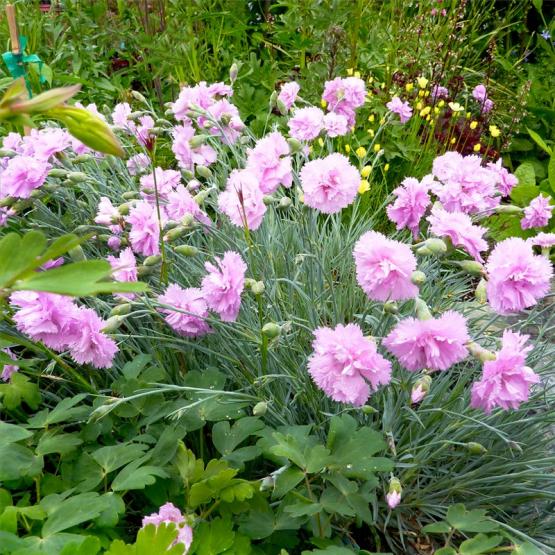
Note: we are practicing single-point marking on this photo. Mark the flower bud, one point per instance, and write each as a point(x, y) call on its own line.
point(284, 203)
point(367, 409)
point(37, 193)
point(82, 229)
point(233, 71)
point(76, 254)
point(393, 496)
point(197, 140)
point(271, 330)
point(418, 277)
point(273, 99)
point(113, 323)
point(260, 409)
point(203, 171)
point(82, 158)
point(481, 291)
point(77, 177)
point(268, 200)
point(390, 307)
point(138, 96)
point(434, 246)
point(7, 153)
point(477, 351)
point(258, 287)
point(508, 209)
point(476, 448)
point(193, 185)
point(143, 271)
point(152, 260)
point(50, 187)
point(186, 250)
point(58, 172)
point(471, 266)
point(420, 388)
point(201, 196)
point(123, 209)
point(121, 309)
point(175, 233)
point(8, 201)
point(282, 107)
point(422, 310)
point(130, 195)
point(294, 145)
point(188, 220)
point(187, 174)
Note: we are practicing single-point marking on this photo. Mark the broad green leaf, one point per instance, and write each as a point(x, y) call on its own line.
point(445, 551)
point(52, 442)
point(527, 548)
point(64, 411)
point(286, 481)
point(539, 141)
point(90, 546)
point(17, 461)
point(290, 448)
point(212, 538)
point(10, 433)
point(303, 509)
point(135, 476)
point(479, 544)
point(334, 502)
point(331, 550)
point(318, 458)
point(526, 189)
point(150, 540)
point(18, 255)
point(469, 521)
point(60, 246)
point(226, 438)
point(20, 389)
point(238, 490)
point(113, 457)
point(110, 516)
point(437, 528)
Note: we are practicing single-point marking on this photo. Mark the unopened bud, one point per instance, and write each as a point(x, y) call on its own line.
point(393, 496)
point(268, 200)
point(294, 145)
point(477, 351)
point(203, 171)
point(481, 292)
point(8, 201)
point(197, 140)
point(143, 271)
point(508, 209)
point(420, 388)
point(187, 174)
point(170, 224)
point(422, 310)
point(82, 158)
point(267, 483)
point(367, 409)
point(76, 254)
point(284, 203)
point(418, 277)
point(273, 99)
point(432, 245)
point(390, 307)
point(123, 209)
point(130, 195)
point(203, 195)
point(58, 172)
point(152, 260)
point(260, 409)
point(282, 107)
point(113, 323)
point(271, 330)
point(7, 153)
point(226, 119)
point(175, 233)
point(471, 267)
point(233, 71)
point(77, 177)
point(50, 187)
point(121, 309)
point(138, 96)
point(82, 229)
point(186, 250)
point(476, 448)
point(258, 287)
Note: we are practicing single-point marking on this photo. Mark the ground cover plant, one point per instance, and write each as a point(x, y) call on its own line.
point(324, 327)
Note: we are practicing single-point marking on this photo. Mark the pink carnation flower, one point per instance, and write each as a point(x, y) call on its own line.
point(505, 180)
point(181, 203)
point(306, 123)
point(145, 229)
point(120, 117)
point(190, 318)
point(410, 205)
point(402, 109)
point(344, 96)
point(346, 365)
point(142, 131)
point(329, 184)
point(459, 228)
point(479, 93)
point(336, 125)
point(230, 125)
point(270, 162)
point(223, 285)
point(243, 201)
point(44, 143)
point(8, 369)
point(137, 163)
point(393, 499)
point(200, 96)
point(5, 214)
point(537, 213)
point(384, 268)
point(91, 345)
point(166, 182)
point(106, 214)
point(114, 243)
point(124, 268)
point(439, 92)
point(434, 344)
point(12, 141)
point(517, 278)
point(170, 513)
point(506, 380)
point(187, 156)
point(23, 174)
point(487, 106)
point(544, 240)
point(288, 93)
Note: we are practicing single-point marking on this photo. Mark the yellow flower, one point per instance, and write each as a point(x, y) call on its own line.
point(455, 107)
point(386, 168)
point(350, 71)
point(382, 121)
point(371, 133)
point(468, 114)
point(494, 130)
point(347, 148)
point(453, 141)
point(425, 111)
point(366, 171)
point(357, 74)
point(377, 147)
point(436, 110)
point(361, 152)
point(477, 147)
point(441, 103)
point(321, 142)
point(422, 82)
point(428, 118)
point(363, 187)
point(426, 93)
point(420, 93)
point(382, 86)
point(473, 124)
point(409, 87)
point(323, 103)
point(371, 118)
point(419, 105)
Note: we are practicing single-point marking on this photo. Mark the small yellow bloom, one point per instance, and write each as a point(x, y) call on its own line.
point(419, 105)
point(436, 110)
point(321, 142)
point(425, 111)
point(382, 121)
point(371, 133)
point(377, 147)
point(382, 86)
point(428, 117)
point(347, 148)
point(453, 141)
point(422, 82)
point(370, 79)
point(473, 124)
point(371, 118)
point(357, 74)
point(432, 122)
point(426, 93)
point(323, 103)
point(409, 87)
point(441, 103)
point(494, 131)
point(350, 71)
point(455, 107)
point(477, 147)
point(363, 187)
point(386, 168)
point(361, 152)
point(468, 114)
point(421, 93)
point(366, 171)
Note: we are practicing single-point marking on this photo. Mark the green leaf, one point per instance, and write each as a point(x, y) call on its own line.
point(526, 189)
point(17, 461)
point(446, 551)
point(527, 548)
point(469, 521)
point(239, 490)
point(551, 172)
point(78, 279)
point(18, 255)
point(286, 481)
point(20, 389)
point(213, 537)
point(10, 433)
point(330, 550)
point(441, 527)
point(150, 540)
point(112, 457)
point(479, 544)
point(318, 458)
point(90, 546)
point(64, 411)
point(290, 448)
point(226, 438)
point(114, 508)
point(303, 509)
point(538, 4)
point(539, 141)
point(334, 502)
point(52, 442)
point(135, 476)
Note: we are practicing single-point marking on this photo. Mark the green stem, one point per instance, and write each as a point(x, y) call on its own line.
point(164, 266)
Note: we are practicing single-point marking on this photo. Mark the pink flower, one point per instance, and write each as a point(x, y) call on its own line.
point(393, 499)
point(344, 96)
point(170, 513)
point(124, 269)
point(47, 142)
point(288, 93)
point(145, 229)
point(142, 132)
point(306, 123)
point(480, 93)
point(439, 92)
point(91, 345)
point(8, 369)
point(12, 141)
point(466, 186)
point(219, 90)
point(417, 394)
point(544, 240)
point(270, 162)
point(434, 344)
point(223, 285)
point(49, 264)
point(505, 180)
point(46, 317)
point(459, 228)
point(107, 214)
point(187, 156)
point(346, 365)
point(410, 205)
point(517, 278)
point(137, 163)
point(242, 201)
point(506, 380)
point(200, 96)
point(230, 123)
point(23, 174)
point(5, 214)
point(402, 109)
point(120, 117)
point(384, 268)
point(537, 213)
point(166, 182)
point(488, 106)
point(181, 203)
point(190, 319)
point(114, 243)
point(336, 125)
point(329, 184)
